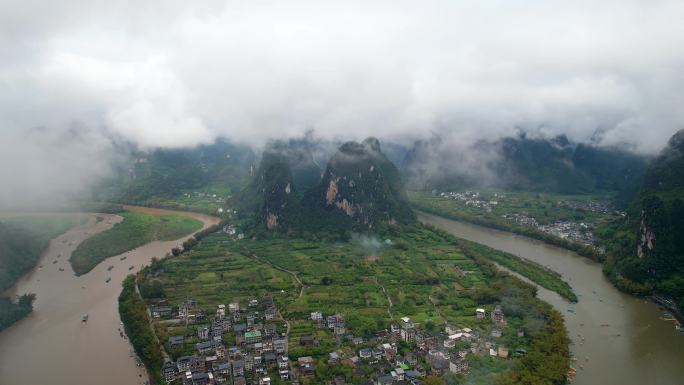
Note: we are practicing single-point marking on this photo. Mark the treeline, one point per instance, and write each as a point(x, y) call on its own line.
point(11, 312)
point(135, 318)
point(195, 239)
point(583, 250)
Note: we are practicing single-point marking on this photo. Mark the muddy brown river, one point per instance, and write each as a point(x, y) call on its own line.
point(617, 339)
point(52, 345)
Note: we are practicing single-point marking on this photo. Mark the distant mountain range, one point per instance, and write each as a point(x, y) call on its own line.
point(522, 163)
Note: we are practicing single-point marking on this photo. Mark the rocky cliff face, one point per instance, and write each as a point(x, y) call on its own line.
point(272, 191)
point(360, 182)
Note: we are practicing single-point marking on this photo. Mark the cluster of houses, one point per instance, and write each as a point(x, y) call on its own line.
point(574, 231)
point(473, 199)
point(254, 352)
point(244, 347)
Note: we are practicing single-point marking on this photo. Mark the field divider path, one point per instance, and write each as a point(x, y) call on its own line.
point(293, 274)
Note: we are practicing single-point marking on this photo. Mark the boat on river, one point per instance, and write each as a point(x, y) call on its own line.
point(84, 318)
point(110, 268)
point(108, 279)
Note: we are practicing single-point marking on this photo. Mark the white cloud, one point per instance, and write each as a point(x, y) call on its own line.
point(182, 73)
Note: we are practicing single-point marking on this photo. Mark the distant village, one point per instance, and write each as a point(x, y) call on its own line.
point(243, 345)
point(580, 232)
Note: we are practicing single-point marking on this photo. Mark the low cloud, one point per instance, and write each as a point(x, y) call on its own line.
point(177, 74)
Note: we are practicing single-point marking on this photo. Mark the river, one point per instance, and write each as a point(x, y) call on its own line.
point(52, 345)
point(633, 347)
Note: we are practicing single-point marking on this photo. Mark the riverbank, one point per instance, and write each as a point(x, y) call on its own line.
point(96, 351)
point(136, 229)
point(610, 329)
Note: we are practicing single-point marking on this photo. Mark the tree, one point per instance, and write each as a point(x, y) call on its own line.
point(433, 380)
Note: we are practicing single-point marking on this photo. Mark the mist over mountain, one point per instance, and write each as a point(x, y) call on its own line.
point(360, 187)
point(647, 247)
point(524, 163)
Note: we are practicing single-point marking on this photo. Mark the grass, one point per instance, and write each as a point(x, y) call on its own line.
point(533, 271)
point(135, 230)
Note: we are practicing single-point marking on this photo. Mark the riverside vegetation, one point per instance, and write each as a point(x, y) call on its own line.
point(22, 240)
point(135, 230)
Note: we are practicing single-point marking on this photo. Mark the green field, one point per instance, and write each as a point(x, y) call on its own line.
point(426, 274)
point(135, 230)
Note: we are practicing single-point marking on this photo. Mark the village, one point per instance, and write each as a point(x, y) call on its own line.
point(249, 345)
point(576, 231)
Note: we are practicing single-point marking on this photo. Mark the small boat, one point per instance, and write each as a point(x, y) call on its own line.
point(131, 268)
point(122, 258)
point(110, 268)
point(108, 279)
point(61, 269)
point(55, 261)
point(84, 318)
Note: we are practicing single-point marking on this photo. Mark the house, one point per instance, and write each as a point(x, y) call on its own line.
point(203, 333)
point(175, 341)
point(270, 330)
point(284, 374)
point(204, 347)
point(253, 337)
point(183, 364)
point(502, 352)
point(408, 333)
point(161, 311)
point(385, 379)
point(222, 371)
point(233, 307)
point(253, 303)
point(279, 345)
point(270, 313)
point(306, 366)
point(357, 340)
point(496, 333)
point(306, 340)
point(398, 374)
point(202, 378)
point(239, 328)
point(480, 313)
point(265, 381)
point(169, 371)
point(316, 316)
point(365, 354)
point(498, 315)
point(238, 368)
point(248, 359)
point(283, 362)
point(333, 358)
point(270, 359)
point(458, 365)
point(377, 354)
point(221, 311)
point(239, 381)
point(331, 322)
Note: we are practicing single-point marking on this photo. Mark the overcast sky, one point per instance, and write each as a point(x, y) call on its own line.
point(179, 73)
